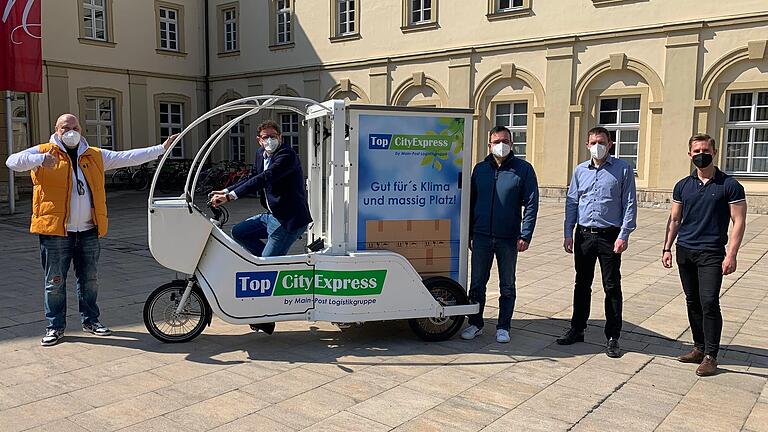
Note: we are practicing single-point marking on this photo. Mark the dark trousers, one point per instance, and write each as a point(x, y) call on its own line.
point(701, 274)
point(587, 249)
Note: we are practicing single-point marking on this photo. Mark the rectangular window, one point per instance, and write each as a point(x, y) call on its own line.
point(237, 141)
point(169, 29)
point(746, 133)
point(508, 5)
point(229, 17)
point(283, 21)
point(171, 122)
point(621, 116)
point(514, 116)
point(100, 122)
point(346, 17)
point(95, 19)
point(289, 125)
point(421, 11)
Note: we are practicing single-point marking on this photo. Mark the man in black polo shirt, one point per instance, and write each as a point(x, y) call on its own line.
point(703, 204)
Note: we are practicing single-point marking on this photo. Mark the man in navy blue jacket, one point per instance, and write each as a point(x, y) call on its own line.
point(502, 186)
point(278, 175)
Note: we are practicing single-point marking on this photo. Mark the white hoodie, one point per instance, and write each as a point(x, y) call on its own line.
point(80, 216)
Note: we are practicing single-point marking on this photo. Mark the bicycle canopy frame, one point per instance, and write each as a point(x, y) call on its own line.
point(252, 105)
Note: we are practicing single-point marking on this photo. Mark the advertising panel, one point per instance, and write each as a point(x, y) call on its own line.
point(410, 193)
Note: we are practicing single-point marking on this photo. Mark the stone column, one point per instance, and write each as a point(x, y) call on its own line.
point(141, 131)
point(379, 91)
point(680, 78)
point(552, 166)
point(460, 82)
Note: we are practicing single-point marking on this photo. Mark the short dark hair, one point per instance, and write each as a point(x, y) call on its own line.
point(269, 124)
point(499, 128)
point(701, 137)
point(599, 130)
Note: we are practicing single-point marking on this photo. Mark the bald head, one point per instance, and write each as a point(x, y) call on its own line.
point(65, 123)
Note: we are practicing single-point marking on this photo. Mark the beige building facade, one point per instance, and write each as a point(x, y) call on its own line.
point(651, 71)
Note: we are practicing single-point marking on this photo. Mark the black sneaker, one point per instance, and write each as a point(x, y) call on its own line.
point(97, 328)
point(612, 349)
point(267, 328)
point(52, 337)
point(571, 337)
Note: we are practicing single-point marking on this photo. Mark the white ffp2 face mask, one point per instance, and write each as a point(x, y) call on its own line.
point(598, 151)
point(271, 144)
point(501, 149)
point(70, 139)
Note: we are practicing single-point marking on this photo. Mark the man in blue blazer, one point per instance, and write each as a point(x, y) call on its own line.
point(277, 174)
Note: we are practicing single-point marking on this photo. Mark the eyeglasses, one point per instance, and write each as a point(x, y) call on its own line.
point(267, 136)
point(504, 141)
point(80, 187)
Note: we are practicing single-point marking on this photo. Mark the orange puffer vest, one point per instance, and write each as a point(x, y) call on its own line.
point(52, 188)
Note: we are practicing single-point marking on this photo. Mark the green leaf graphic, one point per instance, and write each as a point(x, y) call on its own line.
point(427, 160)
point(438, 165)
point(458, 161)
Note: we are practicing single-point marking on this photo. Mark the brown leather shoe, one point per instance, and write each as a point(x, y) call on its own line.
point(708, 366)
point(695, 356)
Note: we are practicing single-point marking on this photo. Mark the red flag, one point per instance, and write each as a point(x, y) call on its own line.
point(21, 46)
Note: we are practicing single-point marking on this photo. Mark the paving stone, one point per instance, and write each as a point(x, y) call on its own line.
point(524, 420)
point(346, 422)
point(286, 385)
point(216, 411)
point(395, 406)
point(308, 408)
point(254, 423)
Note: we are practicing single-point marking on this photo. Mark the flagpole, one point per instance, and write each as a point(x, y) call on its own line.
point(9, 138)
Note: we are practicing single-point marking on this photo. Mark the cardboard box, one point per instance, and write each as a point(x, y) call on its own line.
point(425, 243)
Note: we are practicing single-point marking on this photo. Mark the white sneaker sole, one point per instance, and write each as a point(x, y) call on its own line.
point(97, 334)
point(51, 343)
point(473, 336)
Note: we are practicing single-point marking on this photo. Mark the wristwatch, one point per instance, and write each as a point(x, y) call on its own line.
point(663, 251)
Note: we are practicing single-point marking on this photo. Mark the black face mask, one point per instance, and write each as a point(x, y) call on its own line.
point(702, 160)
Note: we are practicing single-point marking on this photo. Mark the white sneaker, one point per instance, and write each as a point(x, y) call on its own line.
point(471, 332)
point(502, 336)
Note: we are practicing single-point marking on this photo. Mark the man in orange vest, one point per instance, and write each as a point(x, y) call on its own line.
point(69, 212)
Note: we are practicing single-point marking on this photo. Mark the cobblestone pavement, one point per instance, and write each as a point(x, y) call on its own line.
point(313, 376)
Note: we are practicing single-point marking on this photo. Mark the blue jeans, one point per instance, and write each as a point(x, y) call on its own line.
point(483, 249)
point(250, 232)
point(82, 249)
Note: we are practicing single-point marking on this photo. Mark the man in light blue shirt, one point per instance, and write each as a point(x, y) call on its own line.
point(600, 213)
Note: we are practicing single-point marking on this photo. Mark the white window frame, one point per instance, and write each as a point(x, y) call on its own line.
point(165, 27)
point(90, 9)
point(421, 9)
point(170, 126)
point(229, 26)
point(509, 123)
point(288, 134)
point(237, 145)
point(96, 124)
point(511, 7)
point(346, 22)
point(752, 125)
point(283, 12)
point(619, 127)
